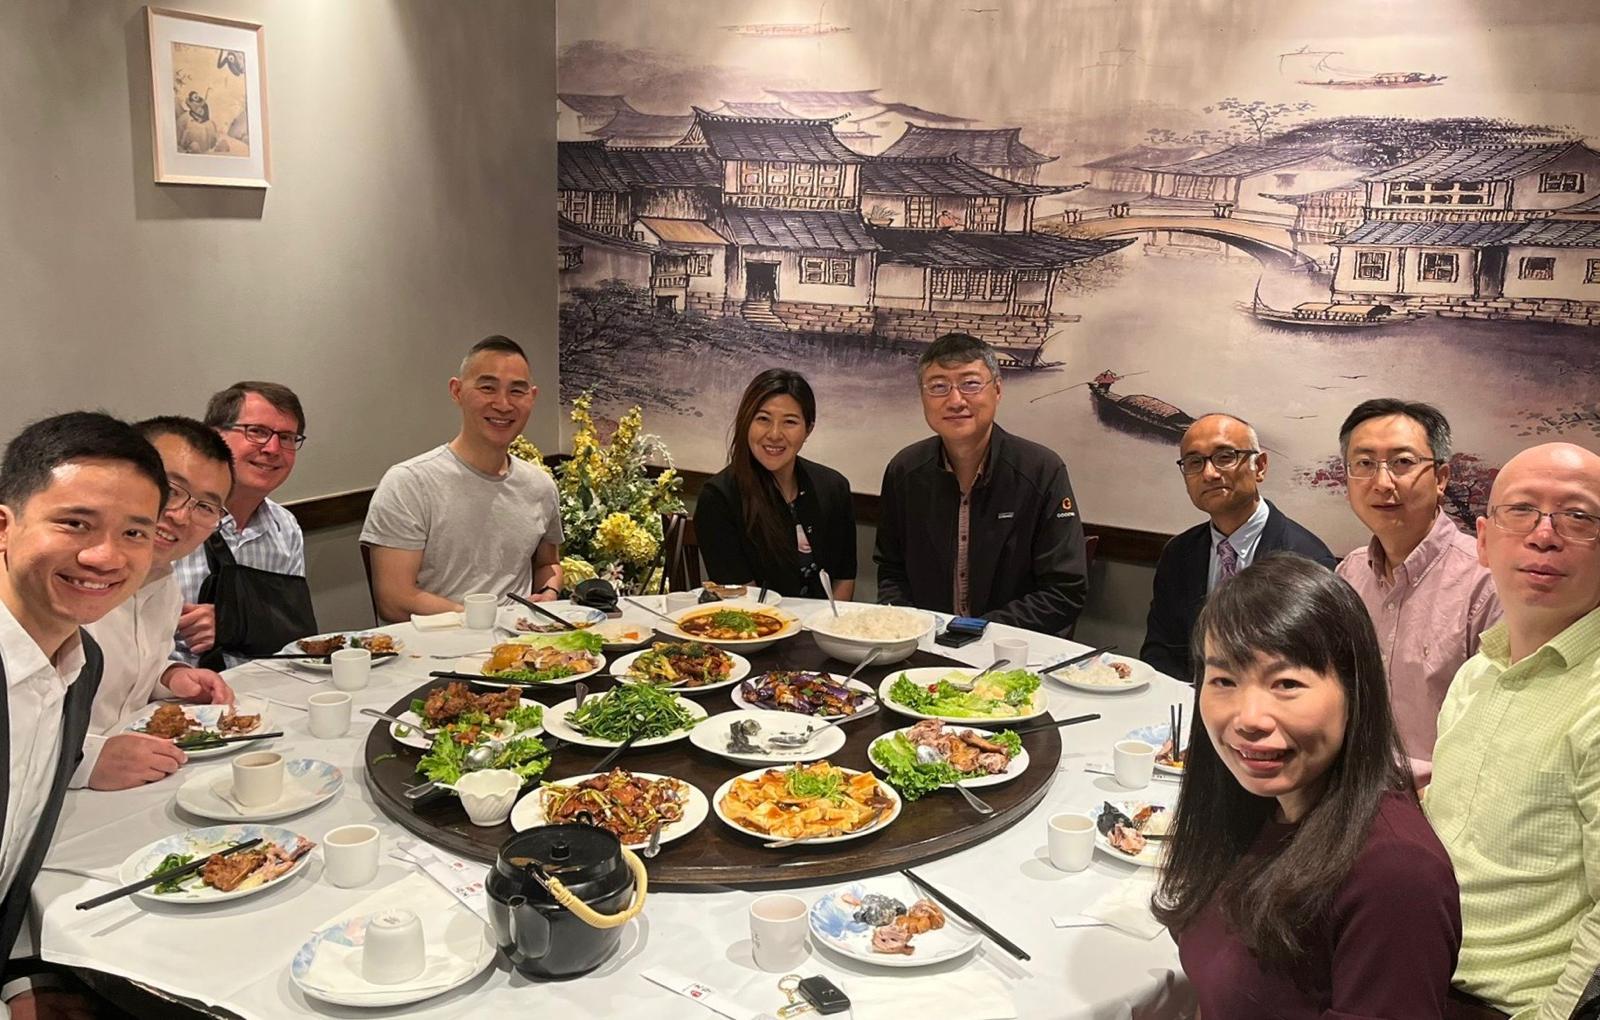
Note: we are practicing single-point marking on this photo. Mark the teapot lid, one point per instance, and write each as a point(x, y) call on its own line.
point(587, 859)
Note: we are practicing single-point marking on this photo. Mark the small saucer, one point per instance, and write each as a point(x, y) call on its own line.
point(307, 782)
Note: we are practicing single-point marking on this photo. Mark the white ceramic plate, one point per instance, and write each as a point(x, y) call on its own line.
point(529, 811)
point(458, 946)
point(888, 818)
point(1155, 736)
point(506, 618)
point(1017, 766)
point(925, 675)
point(141, 863)
point(833, 925)
point(473, 664)
point(1072, 676)
point(791, 625)
point(867, 708)
point(555, 724)
point(316, 663)
point(307, 782)
point(207, 716)
point(1150, 856)
point(740, 670)
point(413, 736)
point(712, 735)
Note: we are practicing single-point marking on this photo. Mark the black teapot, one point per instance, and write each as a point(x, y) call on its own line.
point(559, 896)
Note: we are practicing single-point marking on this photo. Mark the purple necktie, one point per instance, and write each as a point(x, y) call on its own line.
point(1229, 560)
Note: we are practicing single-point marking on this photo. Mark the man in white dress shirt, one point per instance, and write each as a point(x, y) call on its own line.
point(137, 636)
point(80, 495)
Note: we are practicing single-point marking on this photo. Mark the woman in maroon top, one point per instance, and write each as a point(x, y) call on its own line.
point(1302, 880)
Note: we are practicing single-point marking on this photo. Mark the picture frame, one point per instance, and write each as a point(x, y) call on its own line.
point(208, 100)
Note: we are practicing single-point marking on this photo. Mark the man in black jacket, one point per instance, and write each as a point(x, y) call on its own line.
point(976, 521)
point(80, 497)
point(1223, 466)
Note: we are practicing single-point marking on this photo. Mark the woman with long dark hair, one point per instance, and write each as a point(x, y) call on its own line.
point(1301, 879)
point(771, 517)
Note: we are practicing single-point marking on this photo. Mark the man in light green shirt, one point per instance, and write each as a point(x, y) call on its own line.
point(1516, 772)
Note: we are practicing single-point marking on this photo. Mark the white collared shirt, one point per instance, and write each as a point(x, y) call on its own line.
point(1244, 541)
point(36, 692)
point(271, 541)
point(136, 638)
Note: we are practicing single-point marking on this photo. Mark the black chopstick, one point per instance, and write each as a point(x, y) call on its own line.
point(1090, 654)
point(305, 655)
point(206, 745)
point(162, 876)
point(541, 610)
point(1177, 732)
point(1055, 723)
point(967, 916)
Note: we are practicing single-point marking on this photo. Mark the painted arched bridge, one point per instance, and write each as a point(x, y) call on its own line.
point(1269, 242)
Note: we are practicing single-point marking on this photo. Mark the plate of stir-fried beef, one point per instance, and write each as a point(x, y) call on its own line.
point(280, 854)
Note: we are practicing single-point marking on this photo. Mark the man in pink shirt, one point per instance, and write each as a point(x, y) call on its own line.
point(1419, 576)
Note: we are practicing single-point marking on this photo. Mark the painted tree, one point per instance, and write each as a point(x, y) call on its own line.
point(1257, 115)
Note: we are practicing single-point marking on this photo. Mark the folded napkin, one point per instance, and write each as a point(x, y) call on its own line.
point(975, 991)
point(436, 621)
point(454, 939)
point(1126, 907)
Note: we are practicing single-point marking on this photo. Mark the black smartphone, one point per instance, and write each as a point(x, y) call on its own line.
point(823, 995)
point(956, 638)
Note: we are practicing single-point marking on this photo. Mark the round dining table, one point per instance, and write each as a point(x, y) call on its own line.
point(233, 958)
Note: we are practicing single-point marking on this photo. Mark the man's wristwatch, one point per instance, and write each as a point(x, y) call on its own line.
point(547, 588)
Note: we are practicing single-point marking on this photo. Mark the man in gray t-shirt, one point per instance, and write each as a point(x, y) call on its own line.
point(468, 517)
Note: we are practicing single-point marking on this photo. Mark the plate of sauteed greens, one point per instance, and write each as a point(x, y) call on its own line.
point(650, 714)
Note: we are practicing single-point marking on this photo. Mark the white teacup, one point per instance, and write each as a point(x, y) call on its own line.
point(258, 778)
point(778, 929)
point(1133, 762)
point(1014, 650)
point(1071, 841)
point(488, 795)
point(351, 668)
point(328, 714)
point(393, 949)
point(479, 611)
point(350, 855)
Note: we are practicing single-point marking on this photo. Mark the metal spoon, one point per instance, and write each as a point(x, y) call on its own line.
point(827, 588)
point(480, 757)
point(977, 805)
point(580, 690)
point(970, 684)
point(871, 657)
point(654, 846)
point(640, 605)
point(424, 730)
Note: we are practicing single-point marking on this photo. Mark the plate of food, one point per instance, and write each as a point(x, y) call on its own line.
point(887, 922)
point(931, 755)
point(280, 854)
point(852, 635)
point(1159, 736)
point(626, 804)
point(446, 759)
point(682, 665)
point(815, 803)
point(385, 648)
point(536, 659)
point(740, 626)
point(824, 695)
point(1132, 830)
point(307, 782)
point(744, 592)
point(609, 719)
point(468, 716)
point(522, 620)
point(746, 737)
point(1106, 674)
point(931, 693)
point(186, 725)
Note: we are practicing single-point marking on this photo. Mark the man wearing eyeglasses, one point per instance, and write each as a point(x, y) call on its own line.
point(1223, 465)
point(975, 521)
point(1515, 796)
point(1419, 576)
point(264, 426)
point(137, 636)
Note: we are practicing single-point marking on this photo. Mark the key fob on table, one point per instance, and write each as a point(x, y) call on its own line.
point(824, 996)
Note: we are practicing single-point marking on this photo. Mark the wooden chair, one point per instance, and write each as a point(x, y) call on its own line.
point(372, 593)
point(1090, 544)
point(681, 548)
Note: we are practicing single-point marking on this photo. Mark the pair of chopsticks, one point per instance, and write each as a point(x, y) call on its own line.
point(541, 610)
point(163, 876)
point(1175, 729)
point(967, 916)
point(206, 745)
point(1090, 654)
point(325, 658)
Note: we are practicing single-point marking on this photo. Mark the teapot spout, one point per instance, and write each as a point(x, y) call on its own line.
point(530, 929)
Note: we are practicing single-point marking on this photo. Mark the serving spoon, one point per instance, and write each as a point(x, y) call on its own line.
point(480, 757)
point(970, 684)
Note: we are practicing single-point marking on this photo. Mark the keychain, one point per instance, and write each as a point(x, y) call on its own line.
point(789, 985)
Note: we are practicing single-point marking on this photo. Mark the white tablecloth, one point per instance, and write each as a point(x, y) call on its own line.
point(237, 955)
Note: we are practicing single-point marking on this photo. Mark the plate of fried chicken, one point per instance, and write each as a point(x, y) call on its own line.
point(193, 724)
point(384, 648)
point(468, 714)
point(280, 854)
point(887, 922)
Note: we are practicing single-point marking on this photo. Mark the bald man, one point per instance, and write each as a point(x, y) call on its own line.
point(1223, 466)
point(1516, 771)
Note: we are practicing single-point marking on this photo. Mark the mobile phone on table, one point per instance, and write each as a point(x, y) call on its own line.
point(961, 630)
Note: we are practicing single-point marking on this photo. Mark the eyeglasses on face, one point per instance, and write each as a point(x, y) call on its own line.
point(1398, 466)
point(967, 387)
point(178, 497)
point(1522, 519)
point(261, 436)
point(1225, 459)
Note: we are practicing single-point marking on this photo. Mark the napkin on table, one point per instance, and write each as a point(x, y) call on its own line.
point(980, 992)
point(1126, 907)
point(436, 621)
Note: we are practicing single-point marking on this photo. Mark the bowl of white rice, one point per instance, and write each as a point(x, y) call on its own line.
point(857, 630)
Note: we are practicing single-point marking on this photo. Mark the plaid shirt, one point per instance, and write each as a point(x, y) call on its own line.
point(272, 541)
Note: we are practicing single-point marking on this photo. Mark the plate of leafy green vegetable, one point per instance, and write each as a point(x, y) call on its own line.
point(609, 719)
point(931, 693)
point(932, 755)
point(446, 758)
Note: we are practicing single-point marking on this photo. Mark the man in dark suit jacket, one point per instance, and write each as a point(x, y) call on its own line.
point(1223, 466)
point(80, 495)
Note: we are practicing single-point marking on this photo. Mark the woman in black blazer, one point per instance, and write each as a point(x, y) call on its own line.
point(770, 517)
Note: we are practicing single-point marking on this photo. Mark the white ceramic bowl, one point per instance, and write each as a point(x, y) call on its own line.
point(846, 648)
point(488, 795)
